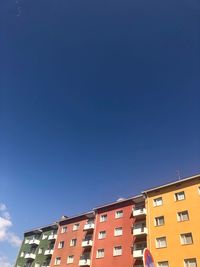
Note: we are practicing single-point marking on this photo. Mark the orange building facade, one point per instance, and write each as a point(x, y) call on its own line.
point(173, 222)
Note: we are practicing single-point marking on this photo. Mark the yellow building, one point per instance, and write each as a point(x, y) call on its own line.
point(173, 220)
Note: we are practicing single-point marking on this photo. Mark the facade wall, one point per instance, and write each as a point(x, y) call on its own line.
point(37, 249)
point(68, 250)
point(175, 252)
point(126, 240)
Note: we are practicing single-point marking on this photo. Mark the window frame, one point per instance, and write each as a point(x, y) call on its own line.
point(158, 240)
point(99, 234)
point(156, 220)
point(118, 228)
point(114, 250)
point(155, 204)
point(98, 255)
point(105, 216)
point(183, 238)
point(72, 257)
point(73, 242)
point(119, 214)
point(178, 194)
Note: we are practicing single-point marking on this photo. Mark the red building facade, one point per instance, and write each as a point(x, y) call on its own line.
point(112, 235)
point(74, 241)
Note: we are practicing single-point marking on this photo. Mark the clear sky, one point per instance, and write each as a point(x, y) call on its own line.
point(99, 99)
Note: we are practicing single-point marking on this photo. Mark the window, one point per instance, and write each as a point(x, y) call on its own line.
point(186, 239)
point(63, 229)
point(190, 263)
point(157, 202)
point(183, 216)
point(117, 251)
point(73, 242)
point(57, 260)
point(40, 251)
point(100, 253)
point(179, 196)
point(61, 244)
point(161, 242)
point(118, 214)
point(159, 221)
point(102, 234)
point(103, 218)
point(118, 231)
point(70, 259)
point(75, 226)
point(163, 264)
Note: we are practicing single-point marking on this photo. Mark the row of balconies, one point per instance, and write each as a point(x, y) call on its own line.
point(36, 241)
point(138, 253)
point(32, 255)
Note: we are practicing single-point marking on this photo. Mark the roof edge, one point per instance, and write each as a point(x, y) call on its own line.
point(171, 183)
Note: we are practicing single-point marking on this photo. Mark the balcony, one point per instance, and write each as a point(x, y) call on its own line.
point(30, 256)
point(139, 212)
point(138, 253)
point(34, 241)
point(52, 237)
point(140, 231)
point(48, 252)
point(88, 226)
point(84, 262)
point(87, 243)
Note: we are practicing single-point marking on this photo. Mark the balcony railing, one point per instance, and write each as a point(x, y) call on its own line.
point(84, 262)
point(138, 253)
point(140, 231)
point(30, 256)
point(88, 226)
point(139, 212)
point(34, 241)
point(48, 252)
point(87, 243)
point(52, 236)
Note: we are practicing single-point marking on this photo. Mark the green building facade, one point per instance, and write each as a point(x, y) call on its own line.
point(37, 247)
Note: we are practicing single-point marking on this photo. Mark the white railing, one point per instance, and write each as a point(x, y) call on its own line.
point(84, 262)
point(138, 253)
point(87, 243)
point(52, 236)
point(138, 212)
point(140, 231)
point(88, 226)
point(48, 252)
point(30, 256)
point(34, 241)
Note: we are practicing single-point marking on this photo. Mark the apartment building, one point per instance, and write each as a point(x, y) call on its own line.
point(37, 247)
point(164, 219)
point(75, 239)
point(173, 222)
point(119, 236)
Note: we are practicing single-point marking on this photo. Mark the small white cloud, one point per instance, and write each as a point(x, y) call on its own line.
point(5, 224)
point(4, 262)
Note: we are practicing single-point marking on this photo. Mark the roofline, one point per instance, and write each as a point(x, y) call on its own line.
point(76, 216)
point(171, 183)
point(40, 228)
point(116, 202)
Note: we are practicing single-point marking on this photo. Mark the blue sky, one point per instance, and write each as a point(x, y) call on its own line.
point(98, 100)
